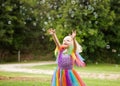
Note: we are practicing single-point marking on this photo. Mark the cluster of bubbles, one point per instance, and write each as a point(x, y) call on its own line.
point(40, 2)
point(24, 10)
point(28, 11)
point(112, 50)
point(72, 13)
point(26, 14)
point(91, 8)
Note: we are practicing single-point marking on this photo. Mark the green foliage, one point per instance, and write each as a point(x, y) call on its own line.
point(112, 35)
point(89, 18)
point(19, 26)
point(23, 25)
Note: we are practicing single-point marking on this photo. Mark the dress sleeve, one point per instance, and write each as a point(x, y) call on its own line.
point(78, 59)
point(56, 54)
point(57, 51)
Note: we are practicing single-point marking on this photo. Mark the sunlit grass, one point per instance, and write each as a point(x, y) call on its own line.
point(101, 68)
point(100, 82)
point(97, 68)
point(24, 79)
point(23, 83)
point(88, 81)
point(45, 80)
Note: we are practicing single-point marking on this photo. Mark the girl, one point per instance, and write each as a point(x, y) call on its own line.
point(67, 55)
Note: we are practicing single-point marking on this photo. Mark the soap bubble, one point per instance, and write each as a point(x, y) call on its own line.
point(43, 37)
point(114, 50)
point(45, 23)
point(9, 22)
point(3, 4)
point(108, 46)
point(24, 22)
point(118, 54)
point(34, 23)
point(43, 29)
point(73, 2)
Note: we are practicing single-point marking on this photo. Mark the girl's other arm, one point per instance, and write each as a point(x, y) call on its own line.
point(74, 41)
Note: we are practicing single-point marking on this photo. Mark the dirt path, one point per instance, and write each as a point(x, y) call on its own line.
point(21, 68)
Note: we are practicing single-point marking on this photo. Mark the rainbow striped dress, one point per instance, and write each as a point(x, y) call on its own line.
point(65, 75)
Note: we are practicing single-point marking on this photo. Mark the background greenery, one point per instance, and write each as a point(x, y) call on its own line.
point(23, 26)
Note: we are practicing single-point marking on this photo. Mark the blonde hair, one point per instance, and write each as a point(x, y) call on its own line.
point(79, 47)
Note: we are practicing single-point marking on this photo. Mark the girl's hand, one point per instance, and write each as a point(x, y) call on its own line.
point(51, 31)
point(73, 34)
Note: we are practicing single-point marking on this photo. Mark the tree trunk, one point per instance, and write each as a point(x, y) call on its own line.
point(19, 56)
point(2, 55)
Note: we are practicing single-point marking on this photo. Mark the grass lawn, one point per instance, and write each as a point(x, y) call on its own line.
point(24, 83)
point(96, 68)
point(44, 80)
point(24, 79)
point(27, 79)
point(99, 82)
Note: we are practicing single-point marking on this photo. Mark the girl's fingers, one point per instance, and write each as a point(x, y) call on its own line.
point(51, 31)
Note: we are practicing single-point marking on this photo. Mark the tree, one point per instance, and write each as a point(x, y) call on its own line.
point(89, 17)
point(20, 26)
point(23, 26)
point(113, 34)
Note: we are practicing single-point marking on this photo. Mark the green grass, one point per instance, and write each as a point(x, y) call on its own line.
point(24, 83)
point(45, 80)
point(96, 68)
point(38, 79)
point(99, 82)
point(89, 82)
point(101, 68)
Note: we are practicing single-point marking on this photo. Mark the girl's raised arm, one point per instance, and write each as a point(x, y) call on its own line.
point(74, 41)
point(53, 33)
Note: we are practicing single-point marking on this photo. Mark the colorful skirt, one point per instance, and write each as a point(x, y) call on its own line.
point(66, 77)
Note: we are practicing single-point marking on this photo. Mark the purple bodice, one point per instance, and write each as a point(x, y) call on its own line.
point(65, 61)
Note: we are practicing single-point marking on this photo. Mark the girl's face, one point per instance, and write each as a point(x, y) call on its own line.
point(67, 41)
